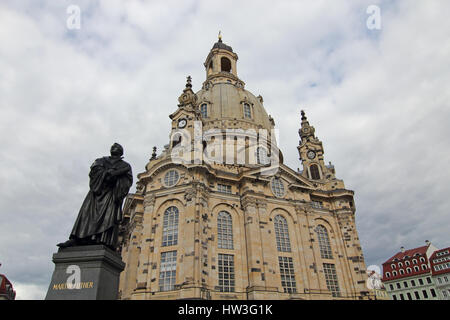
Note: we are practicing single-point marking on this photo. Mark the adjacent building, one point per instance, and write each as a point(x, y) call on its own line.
point(440, 271)
point(245, 225)
point(407, 275)
point(6, 289)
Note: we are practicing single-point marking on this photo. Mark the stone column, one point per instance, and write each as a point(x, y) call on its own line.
point(254, 250)
point(145, 245)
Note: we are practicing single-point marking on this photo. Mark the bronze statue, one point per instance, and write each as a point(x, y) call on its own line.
point(110, 179)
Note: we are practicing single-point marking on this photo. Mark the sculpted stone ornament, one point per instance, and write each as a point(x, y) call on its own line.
point(110, 179)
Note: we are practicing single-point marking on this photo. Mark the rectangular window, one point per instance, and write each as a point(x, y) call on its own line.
point(224, 188)
point(317, 204)
point(167, 271)
point(421, 282)
point(391, 286)
point(402, 297)
point(204, 110)
point(417, 295)
point(405, 284)
point(428, 279)
point(425, 294)
point(394, 297)
point(226, 273)
point(287, 274)
point(331, 279)
point(433, 293)
point(444, 293)
point(409, 296)
point(440, 280)
point(247, 111)
point(413, 283)
point(398, 285)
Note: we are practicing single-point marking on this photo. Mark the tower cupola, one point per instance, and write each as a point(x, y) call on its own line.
point(221, 63)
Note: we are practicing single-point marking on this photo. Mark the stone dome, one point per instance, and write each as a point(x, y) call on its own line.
point(229, 105)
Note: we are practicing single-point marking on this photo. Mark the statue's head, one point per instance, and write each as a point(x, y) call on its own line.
point(116, 150)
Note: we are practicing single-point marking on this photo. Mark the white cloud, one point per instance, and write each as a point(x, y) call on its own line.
point(29, 291)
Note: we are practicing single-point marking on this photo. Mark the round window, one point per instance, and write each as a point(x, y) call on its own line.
point(171, 178)
point(277, 187)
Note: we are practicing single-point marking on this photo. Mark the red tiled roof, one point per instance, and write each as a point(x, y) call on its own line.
point(432, 264)
point(411, 252)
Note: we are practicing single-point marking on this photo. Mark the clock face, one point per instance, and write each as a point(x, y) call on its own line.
point(311, 154)
point(182, 123)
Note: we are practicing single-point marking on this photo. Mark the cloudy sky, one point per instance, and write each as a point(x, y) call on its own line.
point(378, 98)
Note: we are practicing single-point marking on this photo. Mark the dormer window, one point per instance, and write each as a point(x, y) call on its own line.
point(204, 110)
point(247, 111)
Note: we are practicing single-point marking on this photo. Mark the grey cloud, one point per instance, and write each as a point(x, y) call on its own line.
point(379, 104)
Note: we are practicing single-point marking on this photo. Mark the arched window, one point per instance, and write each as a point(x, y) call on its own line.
point(261, 156)
point(324, 242)
point(204, 110)
point(224, 230)
point(416, 268)
point(225, 64)
point(400, 264)
point(408, 270)
point(401, 271)
point(388, 274)
point(415, 261)
point(247, 111)
point(170, 227)
point(282, 234)
point(424, 267)
point(422, 259)
point(314, 169)
point(393, 266)
point(394, 273)
point(407, 263)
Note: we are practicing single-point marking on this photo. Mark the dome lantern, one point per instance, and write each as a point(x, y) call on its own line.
point(221, 63)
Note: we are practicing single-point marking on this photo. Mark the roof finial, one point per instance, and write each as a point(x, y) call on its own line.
point(153, 154)
point(220, 36)
point(303, 115)
point(188, 82)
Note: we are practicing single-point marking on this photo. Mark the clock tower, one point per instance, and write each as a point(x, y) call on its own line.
point(311, 153)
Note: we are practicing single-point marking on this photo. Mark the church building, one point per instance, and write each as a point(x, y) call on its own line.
point(217, 215)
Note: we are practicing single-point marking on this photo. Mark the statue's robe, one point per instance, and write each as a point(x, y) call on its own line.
point(101, 211)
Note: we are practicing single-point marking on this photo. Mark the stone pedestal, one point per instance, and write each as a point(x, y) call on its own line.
point(85, 273)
